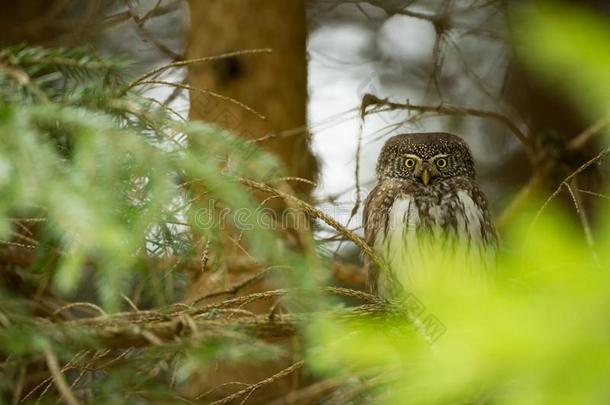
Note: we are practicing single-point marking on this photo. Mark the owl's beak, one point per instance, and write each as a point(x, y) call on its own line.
point(425, 177)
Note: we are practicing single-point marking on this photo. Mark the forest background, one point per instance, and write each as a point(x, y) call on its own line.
point(182, 185)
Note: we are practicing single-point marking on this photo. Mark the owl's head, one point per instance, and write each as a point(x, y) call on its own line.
point(425, 158)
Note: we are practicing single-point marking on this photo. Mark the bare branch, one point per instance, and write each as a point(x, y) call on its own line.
point(206, 92)
point(316, 213)
point(58, 378)
point(582, 215)
point(370, 99)
point(567, 180)
point(197, 60)
point(250, 389)
point(583, 138)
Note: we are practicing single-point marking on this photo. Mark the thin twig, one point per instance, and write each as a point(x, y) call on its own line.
point(207, 92)
point(312, 393)
point(165, 326)
point(543, 172)
point(316, 213)
point(392, 10)
point(130, 303)
point(520, 199)
point(357, 169)
point(80, 305)
point(236, 287)
point(249, 390)
point(146, 34)
point(293, 178)
point(451, 110)
point(583, 138)
point(567, 180)
point(58, 378)
point(593, 193)
point(210, 391)
point(197, 60)
point(584, 218)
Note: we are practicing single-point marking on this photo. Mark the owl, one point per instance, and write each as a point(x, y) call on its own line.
point(426, 212)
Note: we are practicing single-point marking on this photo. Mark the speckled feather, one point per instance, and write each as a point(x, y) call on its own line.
point(451, 208)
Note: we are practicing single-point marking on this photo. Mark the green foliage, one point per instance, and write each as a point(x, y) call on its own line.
point(539, 332)
point(100, 185)
point(568, 46)
point(114, 183)
point(68, 76)
point(103, 166)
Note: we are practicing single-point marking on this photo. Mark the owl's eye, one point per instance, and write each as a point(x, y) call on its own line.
point(409, 163)
point(441, 163)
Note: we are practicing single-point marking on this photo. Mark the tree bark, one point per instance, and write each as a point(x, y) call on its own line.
point(49, 22)
point(274, 84)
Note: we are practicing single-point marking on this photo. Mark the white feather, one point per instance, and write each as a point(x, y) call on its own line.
point(474, 215)
point(412, 255)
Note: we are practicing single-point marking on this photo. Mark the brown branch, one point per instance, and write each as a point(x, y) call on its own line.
point(157, 11)
point(442, 18)
point(593, 193)
point(316, 213)
point(582, 215)
point(343, 272)
point(520, 200)
point(390, 11)
point(583, 138)
point(197, 60)
point(357, 168)
point(250, 389)
point(206, 92)
point(89, 305)
point(567, 180)
point(58, 378)
point(312, 393)
point(167, 325)
point(370, 99)
point(23, 79)
point(543, 171)
point(234, 289)
point(146, 34)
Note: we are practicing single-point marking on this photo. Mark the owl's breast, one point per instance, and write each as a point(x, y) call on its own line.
point(438, 212)
point(433, 230)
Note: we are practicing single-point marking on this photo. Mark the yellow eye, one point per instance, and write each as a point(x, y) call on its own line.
point(441, 163)
point(409, 163)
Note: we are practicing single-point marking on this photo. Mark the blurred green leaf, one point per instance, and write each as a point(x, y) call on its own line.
point(102, 192)
point(567, 46)
point(538, 334)
point(106, 172)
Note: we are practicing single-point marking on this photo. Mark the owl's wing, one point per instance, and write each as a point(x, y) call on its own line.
point(375, 218)
point(488, 230)
point(477, 199)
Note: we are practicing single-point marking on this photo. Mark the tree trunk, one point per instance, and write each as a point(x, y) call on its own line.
point(49, 22)
point(275, 86)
